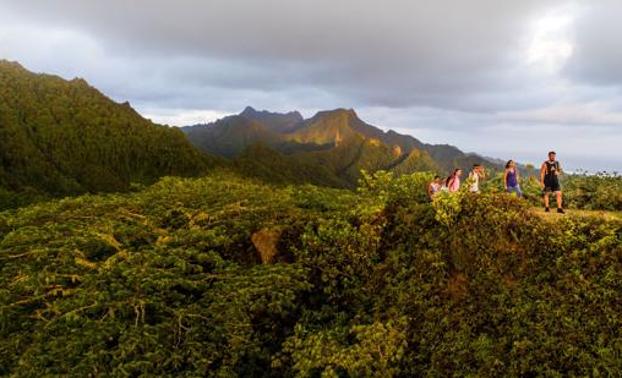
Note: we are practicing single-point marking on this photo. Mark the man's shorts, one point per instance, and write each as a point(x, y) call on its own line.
point(552, 186)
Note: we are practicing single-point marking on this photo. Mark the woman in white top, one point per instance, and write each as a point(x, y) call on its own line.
point(474, 176)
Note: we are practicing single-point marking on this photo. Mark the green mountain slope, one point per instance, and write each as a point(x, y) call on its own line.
point(64, 137)
point(359, 146)
point(415, 161)
point(229, 136)
point(262, 162)
point(327, 127)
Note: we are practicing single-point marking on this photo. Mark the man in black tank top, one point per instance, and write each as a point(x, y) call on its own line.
point(549, 181)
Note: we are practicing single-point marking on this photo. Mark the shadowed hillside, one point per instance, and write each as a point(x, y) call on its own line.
point(65, 137)
point(229, 136)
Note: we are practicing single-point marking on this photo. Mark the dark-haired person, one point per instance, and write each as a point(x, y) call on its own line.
point(511, 179)
point(434, 187)
point(549, 181)
point(476, 174)
point(453, 181)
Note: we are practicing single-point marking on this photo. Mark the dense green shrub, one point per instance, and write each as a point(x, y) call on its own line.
point(602, 191)
point(11, 200)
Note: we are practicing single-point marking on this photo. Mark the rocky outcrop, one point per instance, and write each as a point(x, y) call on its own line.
point(266, 243)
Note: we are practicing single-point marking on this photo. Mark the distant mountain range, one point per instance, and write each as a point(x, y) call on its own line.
point(337, 140)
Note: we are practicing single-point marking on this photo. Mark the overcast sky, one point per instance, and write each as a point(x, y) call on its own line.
point(508, 79)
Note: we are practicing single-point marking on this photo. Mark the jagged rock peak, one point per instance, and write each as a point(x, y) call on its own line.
point(339, 112)
point(249, 111)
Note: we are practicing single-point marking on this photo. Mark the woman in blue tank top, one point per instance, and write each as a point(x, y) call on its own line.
point(511, 179)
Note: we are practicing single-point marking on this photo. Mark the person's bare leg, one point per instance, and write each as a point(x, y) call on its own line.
point(546, 200)
point(559, 200)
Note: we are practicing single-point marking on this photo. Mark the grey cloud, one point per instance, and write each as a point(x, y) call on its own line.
point(597, 55)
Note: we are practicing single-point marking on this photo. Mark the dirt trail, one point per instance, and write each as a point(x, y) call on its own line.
point(609, 215)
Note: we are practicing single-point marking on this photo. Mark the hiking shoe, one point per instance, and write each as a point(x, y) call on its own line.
point(546, 209)
point(560, 210)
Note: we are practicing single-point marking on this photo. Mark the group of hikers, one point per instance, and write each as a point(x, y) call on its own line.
point(549, 181)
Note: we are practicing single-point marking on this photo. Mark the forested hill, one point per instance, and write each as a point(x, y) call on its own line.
point(65, 137)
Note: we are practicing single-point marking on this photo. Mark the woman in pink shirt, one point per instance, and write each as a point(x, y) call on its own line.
point(453, 181)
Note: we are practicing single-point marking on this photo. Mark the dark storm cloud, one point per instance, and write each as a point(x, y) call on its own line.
point(408, 52)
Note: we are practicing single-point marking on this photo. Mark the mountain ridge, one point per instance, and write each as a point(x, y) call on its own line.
point(327, 130)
